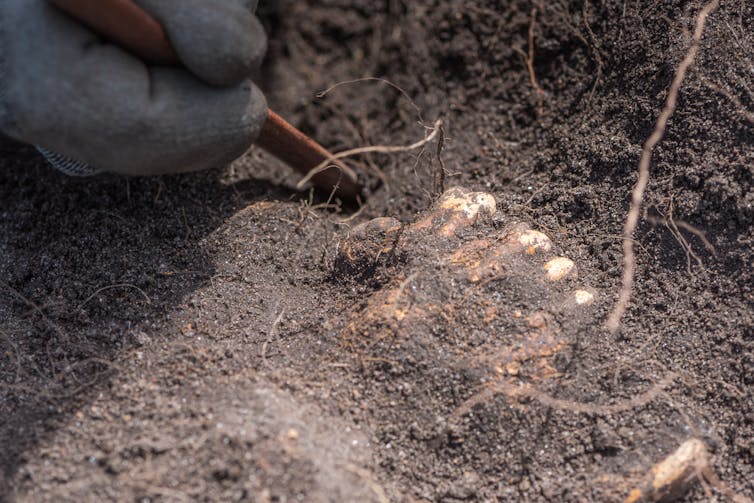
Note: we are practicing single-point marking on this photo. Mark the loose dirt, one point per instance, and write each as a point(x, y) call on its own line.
point(202, 337)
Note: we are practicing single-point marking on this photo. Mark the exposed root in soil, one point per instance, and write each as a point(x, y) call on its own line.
point(674, 227)
point(529, 61)
point(32, 305)
point(708, 476)
point(740, 108)
point(595, 51)
point(380, 149)
point(373, 166)
point(637, 194)
point(639, 400)
point(109, 287)
point(12, 352)
point(398, 88)
point(520, 391)
point(440, 178)
point(55, 387)
point(271, 335)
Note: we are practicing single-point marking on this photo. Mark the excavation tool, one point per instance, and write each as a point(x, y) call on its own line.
point(129, 26)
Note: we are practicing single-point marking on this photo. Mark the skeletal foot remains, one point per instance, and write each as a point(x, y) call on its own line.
point(474, 290)
point(471, 308)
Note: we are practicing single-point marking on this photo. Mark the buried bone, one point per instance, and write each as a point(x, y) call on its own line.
point(450, 255)
point(672, 477)
point(367, 242)
point(558, 268)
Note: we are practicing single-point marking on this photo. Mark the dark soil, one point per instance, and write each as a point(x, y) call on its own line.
point(186, 338)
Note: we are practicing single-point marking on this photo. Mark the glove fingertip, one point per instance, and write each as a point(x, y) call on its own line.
point(222, 43)
point(238, 54)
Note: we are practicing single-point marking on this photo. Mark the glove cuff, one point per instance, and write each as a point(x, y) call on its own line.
point(70, 167)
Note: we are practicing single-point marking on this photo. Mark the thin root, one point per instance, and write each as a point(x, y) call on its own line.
point(382, 149)
point(637, 194)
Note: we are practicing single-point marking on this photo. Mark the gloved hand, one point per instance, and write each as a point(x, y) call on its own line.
point(65, 89)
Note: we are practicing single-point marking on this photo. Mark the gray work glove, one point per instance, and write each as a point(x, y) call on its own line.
point(65, 89)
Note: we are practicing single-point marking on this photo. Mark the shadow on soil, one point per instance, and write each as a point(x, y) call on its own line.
point(85, 266)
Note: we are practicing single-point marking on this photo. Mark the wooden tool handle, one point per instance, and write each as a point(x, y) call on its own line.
point(130, 27)
point(127, 25)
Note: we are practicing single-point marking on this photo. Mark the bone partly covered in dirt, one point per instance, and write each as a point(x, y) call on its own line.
point(456, 210)
point(481, 258)
point(558, 268)
point(533, 241)
point(453, 253)
point(583, 297)
point(368, 242)
point(672, 477)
